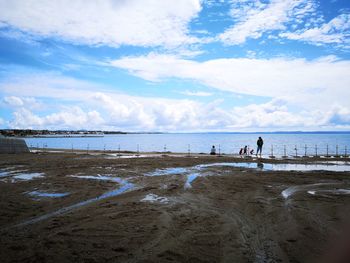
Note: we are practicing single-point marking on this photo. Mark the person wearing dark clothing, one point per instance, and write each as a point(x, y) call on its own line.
point(245, 151)
point(213, 150)
point(260, 143)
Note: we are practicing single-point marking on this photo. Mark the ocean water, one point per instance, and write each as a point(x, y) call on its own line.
point(278, 144)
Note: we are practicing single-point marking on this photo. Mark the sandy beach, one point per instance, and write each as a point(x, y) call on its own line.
point(76, 207)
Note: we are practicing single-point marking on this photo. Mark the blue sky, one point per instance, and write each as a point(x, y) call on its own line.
point(185, 65)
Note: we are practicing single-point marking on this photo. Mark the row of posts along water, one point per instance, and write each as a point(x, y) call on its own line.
point(272, 151)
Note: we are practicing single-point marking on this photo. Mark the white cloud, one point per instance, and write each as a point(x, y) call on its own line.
point(108, 110)
point(107, 22)
point(16, 102)
point(254, 18)
point(134, 114)
point(272, 115)
point(196, 93)
point(315, 83)
point(337, 116)
point(335, 31)
point(70, 118)
point(13, 101)
point(47, 85)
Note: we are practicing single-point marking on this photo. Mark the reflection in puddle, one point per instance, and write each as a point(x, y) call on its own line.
point(284, 166)
point(125, 186)
point(153, 198)
point(45, 194)
point(308, 167)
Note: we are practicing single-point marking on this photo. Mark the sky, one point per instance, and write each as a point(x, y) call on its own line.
point(175, 66)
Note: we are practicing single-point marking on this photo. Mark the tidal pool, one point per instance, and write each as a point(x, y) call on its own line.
point(342, 167)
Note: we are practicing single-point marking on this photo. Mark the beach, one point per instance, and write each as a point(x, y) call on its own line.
point(98, 207)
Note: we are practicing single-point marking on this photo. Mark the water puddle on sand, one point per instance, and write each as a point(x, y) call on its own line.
point(27, 176)
point(116, 156)
point(191, 178)
point(124, 187)
point(197, 171)
point(330, 192)
point(21, 177)
point(191, 173)
point(334, 167)
point(4, 173)
point(169, 171)
point(101, 178)
point(17, 173)
point(330, 188)
point(153, 198)
point(298, 188)
point(41, 194)
point(10, 171)
point(308, 167)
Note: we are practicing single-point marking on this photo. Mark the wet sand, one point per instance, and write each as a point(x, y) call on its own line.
point(100, 208)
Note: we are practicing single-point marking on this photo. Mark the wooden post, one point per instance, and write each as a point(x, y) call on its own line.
point(336, 150)
point(316, 150)
point(272, 156)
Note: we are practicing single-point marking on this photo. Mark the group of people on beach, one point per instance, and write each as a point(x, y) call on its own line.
point(244, 150)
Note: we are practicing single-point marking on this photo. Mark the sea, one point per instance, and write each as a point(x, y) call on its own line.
point(276, 144)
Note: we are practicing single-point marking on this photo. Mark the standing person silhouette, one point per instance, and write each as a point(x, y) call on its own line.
point(245, 150)
point(260, 143)
point(213, 150)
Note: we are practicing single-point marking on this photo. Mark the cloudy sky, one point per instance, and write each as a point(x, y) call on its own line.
point(166, 65)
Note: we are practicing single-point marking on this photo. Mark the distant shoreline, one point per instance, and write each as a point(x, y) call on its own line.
point(77, 134)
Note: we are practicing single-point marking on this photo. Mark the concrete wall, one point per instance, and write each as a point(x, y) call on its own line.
point(13, 145)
